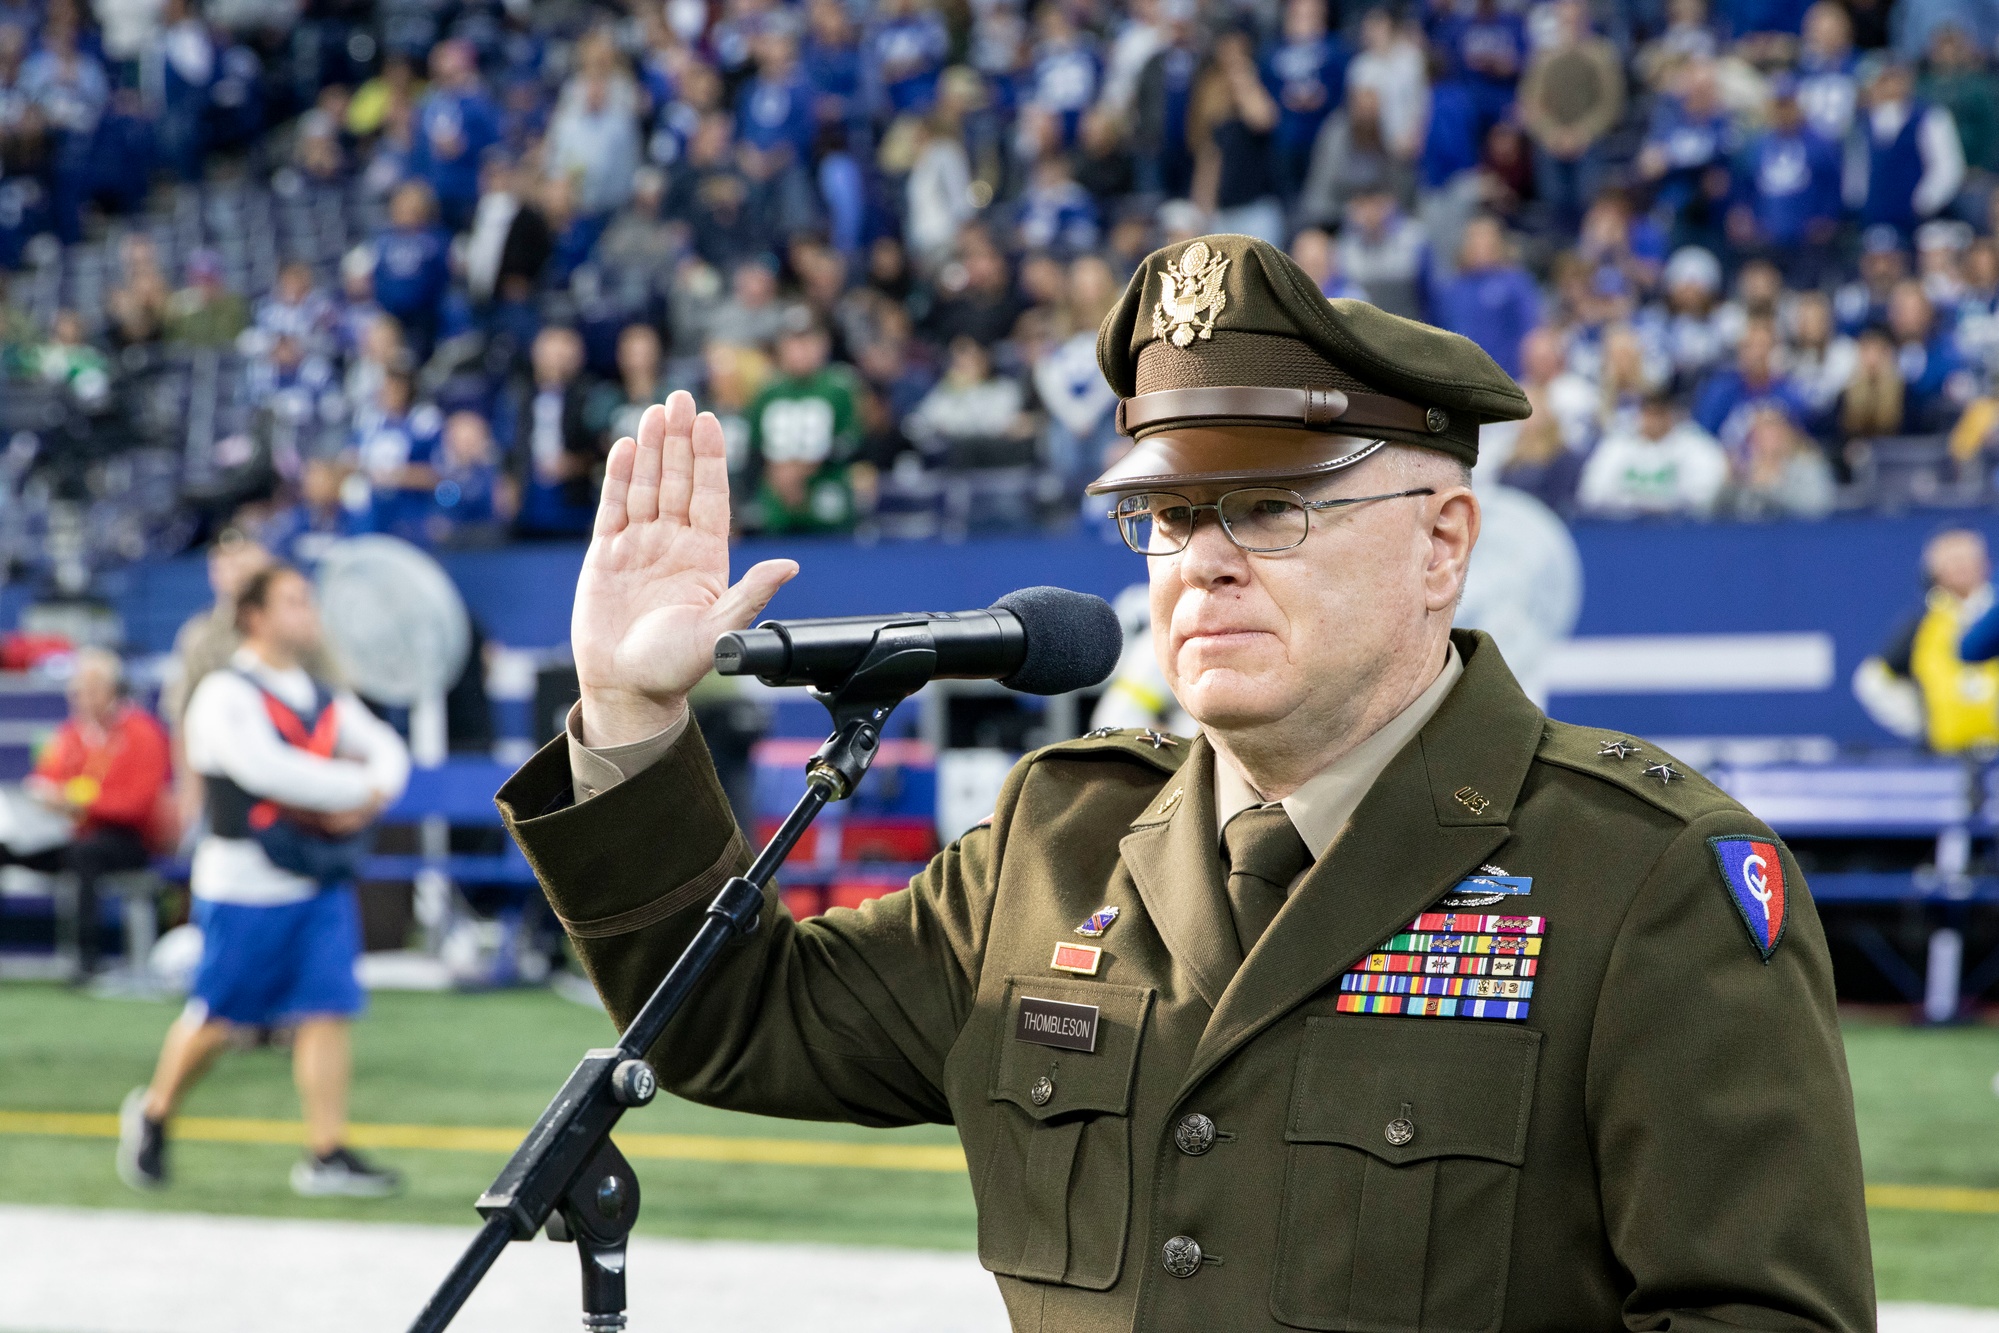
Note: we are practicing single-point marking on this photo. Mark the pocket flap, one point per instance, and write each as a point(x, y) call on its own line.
point(1405, 1089)
point(1097, 1080)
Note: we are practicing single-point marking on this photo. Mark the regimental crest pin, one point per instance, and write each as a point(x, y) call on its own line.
point(1188, 286)
point(1754, 874)
point(1099, 922)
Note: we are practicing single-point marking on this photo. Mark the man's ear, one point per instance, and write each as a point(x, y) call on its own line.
point(1454, 532)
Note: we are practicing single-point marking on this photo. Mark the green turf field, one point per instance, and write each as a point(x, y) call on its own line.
point(1928, 1116)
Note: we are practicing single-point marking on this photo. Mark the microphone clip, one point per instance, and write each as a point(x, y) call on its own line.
point(898, 663)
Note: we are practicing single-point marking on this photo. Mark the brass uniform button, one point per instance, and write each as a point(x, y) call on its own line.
point(1182, 1256)
point(1041, 1090)
point(1400, 1130)
point(1194, 1135)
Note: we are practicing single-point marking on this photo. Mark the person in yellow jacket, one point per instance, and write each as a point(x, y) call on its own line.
point(1960, 699)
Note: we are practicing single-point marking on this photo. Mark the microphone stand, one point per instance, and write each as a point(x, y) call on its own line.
point(567, 1175)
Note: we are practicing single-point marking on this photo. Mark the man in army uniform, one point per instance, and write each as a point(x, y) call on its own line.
point(1383, 1003)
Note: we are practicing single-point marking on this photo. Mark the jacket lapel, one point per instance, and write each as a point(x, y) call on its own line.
point(1438, 811)
point(1177, 867)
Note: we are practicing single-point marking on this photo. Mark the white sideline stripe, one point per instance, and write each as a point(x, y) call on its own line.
point(184, 1273)
point(1691, 664)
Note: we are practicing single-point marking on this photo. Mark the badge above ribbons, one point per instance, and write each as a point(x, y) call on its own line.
point(1754, 874)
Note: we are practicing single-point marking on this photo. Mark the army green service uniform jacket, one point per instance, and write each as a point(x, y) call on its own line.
point(1665, 1141)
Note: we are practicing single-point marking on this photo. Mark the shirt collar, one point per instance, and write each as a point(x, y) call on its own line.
point(1320, 809)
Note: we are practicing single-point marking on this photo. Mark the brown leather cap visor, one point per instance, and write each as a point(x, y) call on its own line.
point(1251, 455)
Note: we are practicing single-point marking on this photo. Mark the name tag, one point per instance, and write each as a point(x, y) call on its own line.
point(1073, 1027)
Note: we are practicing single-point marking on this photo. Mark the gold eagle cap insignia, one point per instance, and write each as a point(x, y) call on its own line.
point(1188, 286)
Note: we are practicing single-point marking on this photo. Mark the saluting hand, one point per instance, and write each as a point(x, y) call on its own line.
point(654, 594)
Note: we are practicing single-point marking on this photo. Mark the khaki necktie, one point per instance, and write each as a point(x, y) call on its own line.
point(1264, 854)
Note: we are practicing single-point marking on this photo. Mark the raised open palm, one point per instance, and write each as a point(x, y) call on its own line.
point(654, 594)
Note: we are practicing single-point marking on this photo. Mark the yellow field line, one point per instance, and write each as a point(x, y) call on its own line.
point(454, 1138)
point(1933, 1198)
point(717, 1148)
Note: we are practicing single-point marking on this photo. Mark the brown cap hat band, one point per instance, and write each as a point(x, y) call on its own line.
point(1308, 409)
point(1252, 455)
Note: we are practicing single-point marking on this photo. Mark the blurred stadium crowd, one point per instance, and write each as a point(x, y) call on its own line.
point(327, 266)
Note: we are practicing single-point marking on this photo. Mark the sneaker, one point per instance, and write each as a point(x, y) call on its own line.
point(344, 1173)
point(142, 1144)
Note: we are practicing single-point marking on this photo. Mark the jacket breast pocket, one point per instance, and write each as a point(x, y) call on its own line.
point(1054, 1195)
point(1406, 1137)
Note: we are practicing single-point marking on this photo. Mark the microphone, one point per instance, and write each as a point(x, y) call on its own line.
point(1036, 640)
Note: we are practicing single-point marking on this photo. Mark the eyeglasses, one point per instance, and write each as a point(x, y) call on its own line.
point(1260, 519)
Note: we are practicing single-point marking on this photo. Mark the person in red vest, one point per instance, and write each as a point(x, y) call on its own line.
point(294, 772)
point(107, 769)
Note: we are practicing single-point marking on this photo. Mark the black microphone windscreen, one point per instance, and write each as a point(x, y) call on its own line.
point(1073, 640)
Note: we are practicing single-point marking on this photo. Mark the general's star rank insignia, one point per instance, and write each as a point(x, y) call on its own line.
point(1754, 874)
point(1099, 922)
point(1188, 286)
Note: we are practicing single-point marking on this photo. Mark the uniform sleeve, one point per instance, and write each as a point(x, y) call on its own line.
point(847, 1016)
point(1721, 1112)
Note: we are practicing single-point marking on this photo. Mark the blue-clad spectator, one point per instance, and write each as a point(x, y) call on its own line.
point(1828, 90)
point(473, 500)
point(554, 450)
point(1906, 163)
point(1492, 300)
point(1729, 398)
point(1452, 143)
point(394, 449)
point(68, 86)
point(774, 109)
point(1884, 261)
point(696, 93)
point(1055, 212)
point(1484, 51)
point(1936, 380)
point(236, 99)
point(455, 124)
point(1687, 145)
point(1066, 69)
point(904, 54)
point(831, 59)
point(412, 270)
point(1305, 71)
point(1787, 183)
point(176, 71)
point(302, 532)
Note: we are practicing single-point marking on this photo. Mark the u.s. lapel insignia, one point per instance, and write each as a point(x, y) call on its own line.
point(1188, 286)
point(1099, 922)
point(1082, 959)
point(1754, 874)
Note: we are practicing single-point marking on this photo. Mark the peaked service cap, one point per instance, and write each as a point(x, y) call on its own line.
point(1230, 365)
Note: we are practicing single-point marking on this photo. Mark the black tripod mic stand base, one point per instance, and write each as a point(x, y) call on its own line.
point(567, 1175)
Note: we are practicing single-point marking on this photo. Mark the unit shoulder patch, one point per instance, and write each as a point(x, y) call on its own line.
point(1752, 870)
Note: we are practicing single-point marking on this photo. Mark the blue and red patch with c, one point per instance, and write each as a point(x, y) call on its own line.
point(1754, 874)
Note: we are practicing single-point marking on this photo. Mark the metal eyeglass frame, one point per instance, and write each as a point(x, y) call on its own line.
point(1307, 505)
